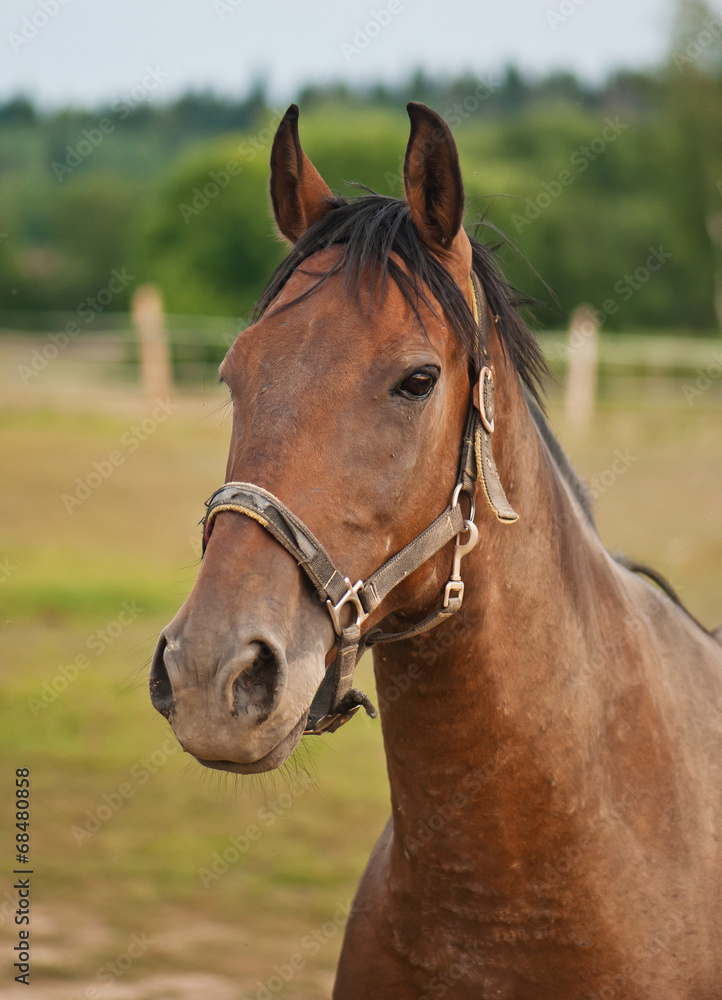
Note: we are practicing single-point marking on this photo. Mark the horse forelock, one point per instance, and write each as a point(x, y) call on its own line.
point(380, 243)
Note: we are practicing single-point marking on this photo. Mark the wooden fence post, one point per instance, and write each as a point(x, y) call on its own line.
point(153, 351)
point(581, 385)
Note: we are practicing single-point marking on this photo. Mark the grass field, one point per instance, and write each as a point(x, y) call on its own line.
point(132, 897)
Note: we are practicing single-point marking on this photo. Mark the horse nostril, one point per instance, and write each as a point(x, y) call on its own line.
point(161, 690)
point(256, 686)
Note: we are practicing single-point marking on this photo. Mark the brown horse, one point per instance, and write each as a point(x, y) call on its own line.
point(555, 760)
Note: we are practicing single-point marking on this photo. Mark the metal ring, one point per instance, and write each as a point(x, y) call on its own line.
point(459, 488)
point(485, 372)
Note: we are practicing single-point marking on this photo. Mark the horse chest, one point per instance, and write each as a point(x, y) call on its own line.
point(450, 934)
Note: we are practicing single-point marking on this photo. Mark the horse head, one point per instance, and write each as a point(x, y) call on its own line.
point(350, 394)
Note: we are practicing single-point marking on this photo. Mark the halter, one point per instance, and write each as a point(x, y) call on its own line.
point(336, 700)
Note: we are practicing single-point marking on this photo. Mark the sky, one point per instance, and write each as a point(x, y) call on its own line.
point(87, 52)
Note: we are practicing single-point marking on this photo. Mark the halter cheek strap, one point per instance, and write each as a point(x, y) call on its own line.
point(336, 700)
point(483, 405)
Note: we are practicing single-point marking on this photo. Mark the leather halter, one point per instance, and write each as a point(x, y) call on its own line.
point(336, 700)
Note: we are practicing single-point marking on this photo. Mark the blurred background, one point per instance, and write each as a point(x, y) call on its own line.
point(135, 237)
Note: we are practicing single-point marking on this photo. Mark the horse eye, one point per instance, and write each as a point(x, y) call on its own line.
point(418, 385)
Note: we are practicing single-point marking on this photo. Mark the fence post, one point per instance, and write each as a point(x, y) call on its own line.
point(153, 350)
point(581, 385)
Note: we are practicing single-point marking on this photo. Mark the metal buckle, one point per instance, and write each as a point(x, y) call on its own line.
point(456, 584)
point(330, 723)
point(350, 595)
point(485, 372)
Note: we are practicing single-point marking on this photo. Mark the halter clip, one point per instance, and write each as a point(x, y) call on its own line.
point(455, 586)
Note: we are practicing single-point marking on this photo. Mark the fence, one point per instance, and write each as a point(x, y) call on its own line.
point(52, 350)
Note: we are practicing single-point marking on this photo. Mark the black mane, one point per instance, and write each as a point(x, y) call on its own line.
point(371, 229)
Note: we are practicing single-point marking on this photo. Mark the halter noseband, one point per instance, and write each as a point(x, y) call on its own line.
point(336, 700)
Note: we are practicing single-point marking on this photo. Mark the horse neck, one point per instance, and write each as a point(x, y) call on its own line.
point(463, 706)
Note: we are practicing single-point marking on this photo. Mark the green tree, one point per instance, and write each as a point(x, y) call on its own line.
point(694, 106)
point(211, 243)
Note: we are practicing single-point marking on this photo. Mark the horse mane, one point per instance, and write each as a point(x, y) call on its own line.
point(586, 502)
point(379, 239)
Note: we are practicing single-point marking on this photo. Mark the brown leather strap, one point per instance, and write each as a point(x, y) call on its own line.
point(375, 635)
point(485, 465)
point(336, 700)
point(439, 533)
point(273, 515)
point(467, 462)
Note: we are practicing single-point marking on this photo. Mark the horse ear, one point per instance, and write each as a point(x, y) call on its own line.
point(432, 178)
point(299, 194)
